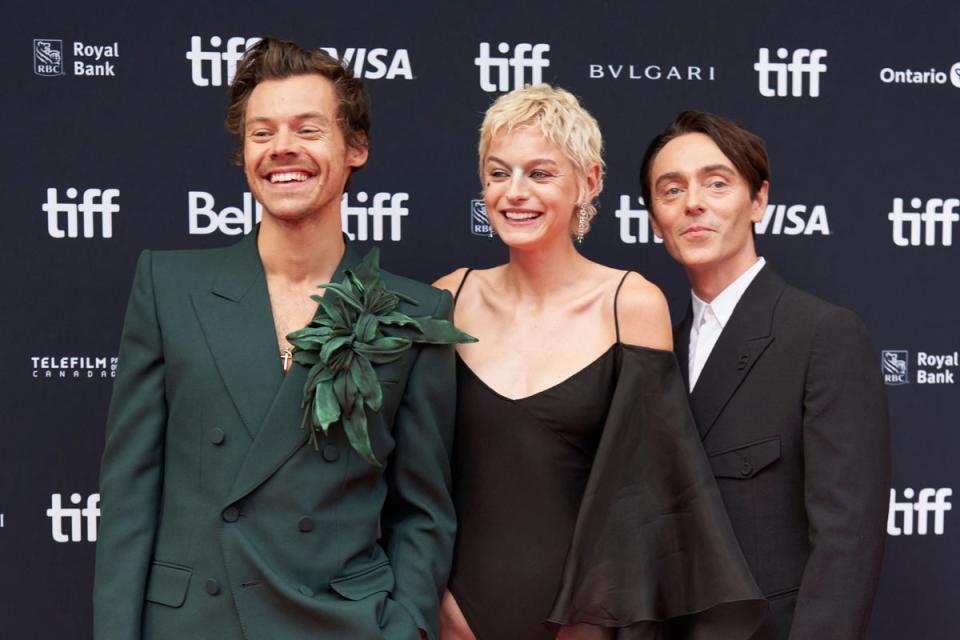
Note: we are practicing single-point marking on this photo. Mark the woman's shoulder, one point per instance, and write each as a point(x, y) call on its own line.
point(452, 281)
point(642, 313)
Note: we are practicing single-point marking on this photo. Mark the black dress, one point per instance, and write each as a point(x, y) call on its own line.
point(593, 502)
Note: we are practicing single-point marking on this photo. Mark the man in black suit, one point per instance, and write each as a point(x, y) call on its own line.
point(785, 389)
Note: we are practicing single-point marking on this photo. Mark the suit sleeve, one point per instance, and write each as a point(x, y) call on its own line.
point(132, 468)
point(846, 448)
point(418, 519)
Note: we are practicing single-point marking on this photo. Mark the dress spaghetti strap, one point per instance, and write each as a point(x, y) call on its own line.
point(462, 281)
point(616, 296)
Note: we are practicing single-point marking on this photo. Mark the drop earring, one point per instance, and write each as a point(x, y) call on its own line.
point(581, 223)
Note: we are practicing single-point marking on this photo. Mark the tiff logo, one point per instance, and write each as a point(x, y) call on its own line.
point(495, 72)
point(634, 223)
point(927, 501)
point(214, 61)
point(804, 63)
point(95, 202)
point(937, 212)
point(384, 205)
point(80, 519)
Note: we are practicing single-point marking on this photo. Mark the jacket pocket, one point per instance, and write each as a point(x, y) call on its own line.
point(746, 460)
point(366, 583)
point(168, 584)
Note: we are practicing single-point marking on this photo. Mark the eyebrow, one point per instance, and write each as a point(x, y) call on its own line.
point(534, 161)
point(710, 168)
point(309, 115)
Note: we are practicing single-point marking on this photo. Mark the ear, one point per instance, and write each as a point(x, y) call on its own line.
point(357, 156)
point(759, 205)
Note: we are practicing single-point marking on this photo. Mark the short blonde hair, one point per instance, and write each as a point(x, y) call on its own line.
point(558, 115)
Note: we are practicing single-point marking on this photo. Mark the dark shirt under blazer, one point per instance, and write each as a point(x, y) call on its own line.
point(218, 519)
point(791, 408)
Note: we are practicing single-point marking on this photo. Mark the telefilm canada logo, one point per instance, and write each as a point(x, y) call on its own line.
point(516, 65)
point(794, 74)
point(928, 368)
point(75, 523)
point(929, 223)
point(215, 62)
point(919, 513)
point(74, 367)
point(375, 216)
point(931, 76)
point(89, 60)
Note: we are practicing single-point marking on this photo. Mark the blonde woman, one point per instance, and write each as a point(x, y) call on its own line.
point(585, 503)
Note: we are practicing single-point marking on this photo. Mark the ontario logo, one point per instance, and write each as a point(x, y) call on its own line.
point(479, 221)
point(47, 57)
point(895, 368)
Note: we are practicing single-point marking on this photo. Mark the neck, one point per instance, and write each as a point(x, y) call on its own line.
point(709, 281)
point(301, 250)
point(539, 273)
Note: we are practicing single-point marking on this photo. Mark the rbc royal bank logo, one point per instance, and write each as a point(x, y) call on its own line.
point(496, 72)
point(803, 70)
point(895, 368)
point(48, 57)
point(479, 221)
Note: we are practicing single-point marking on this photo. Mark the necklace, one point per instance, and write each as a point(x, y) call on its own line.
point(286, 358)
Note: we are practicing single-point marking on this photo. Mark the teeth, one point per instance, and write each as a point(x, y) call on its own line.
point(518, 215)
point(289, 176)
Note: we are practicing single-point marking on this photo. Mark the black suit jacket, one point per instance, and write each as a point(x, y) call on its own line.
point(791, 409)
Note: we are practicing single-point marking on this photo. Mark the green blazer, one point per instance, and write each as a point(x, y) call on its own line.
point(218, 519)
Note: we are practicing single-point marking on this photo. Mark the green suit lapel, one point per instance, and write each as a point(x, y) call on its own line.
point(280, 434)
point(238, 326)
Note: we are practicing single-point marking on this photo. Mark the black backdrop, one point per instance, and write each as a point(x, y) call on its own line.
point(112, 122)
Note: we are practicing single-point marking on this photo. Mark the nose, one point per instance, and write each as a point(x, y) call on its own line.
point(694, 201)
point(517, 190)
point(283, 142)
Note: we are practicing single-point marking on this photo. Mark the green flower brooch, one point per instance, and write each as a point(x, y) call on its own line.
point(349, 335)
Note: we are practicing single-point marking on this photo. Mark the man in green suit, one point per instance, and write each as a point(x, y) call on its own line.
point(219, 519)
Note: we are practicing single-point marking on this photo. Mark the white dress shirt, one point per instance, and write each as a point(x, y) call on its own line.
point(709, 319)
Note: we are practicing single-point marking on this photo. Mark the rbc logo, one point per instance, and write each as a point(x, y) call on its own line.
point(81, 519)
point(805, 62)
point(894, 367)
point(479, 222)
point(525, 56)
point(95, 201)
point(48, 57)
point(936, 212)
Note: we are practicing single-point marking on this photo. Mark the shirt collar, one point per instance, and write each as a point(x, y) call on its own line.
point(724, 304)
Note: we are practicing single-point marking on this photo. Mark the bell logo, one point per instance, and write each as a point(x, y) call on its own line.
point(495, 74)
point(95, 201)
point(805, 63)
point(79, 520)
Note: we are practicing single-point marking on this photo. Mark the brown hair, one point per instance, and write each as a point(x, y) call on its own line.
point(274, 59)
point(746, 150)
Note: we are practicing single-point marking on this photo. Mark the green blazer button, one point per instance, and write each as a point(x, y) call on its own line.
point(217, 435)
point(231, 514)
point(331, 453)
point(305, 590)
point(213, 587)
point(306, 524)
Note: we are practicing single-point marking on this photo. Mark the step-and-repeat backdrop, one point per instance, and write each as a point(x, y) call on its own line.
point(112, 123)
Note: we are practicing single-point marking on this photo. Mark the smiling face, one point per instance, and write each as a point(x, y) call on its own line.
point(295, 156)
point(531, 189)
point(703, 208)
